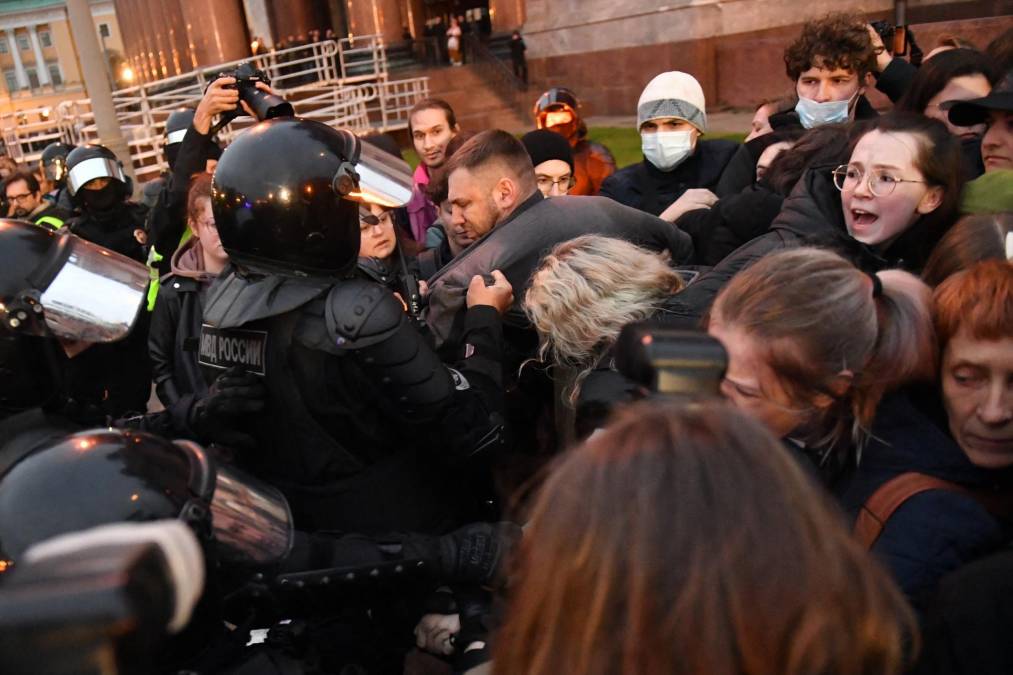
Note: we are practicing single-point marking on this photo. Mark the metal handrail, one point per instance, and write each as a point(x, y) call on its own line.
point(343, 83)
point(496, 73)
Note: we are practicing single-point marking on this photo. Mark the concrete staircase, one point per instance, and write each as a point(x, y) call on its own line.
point(477, 103)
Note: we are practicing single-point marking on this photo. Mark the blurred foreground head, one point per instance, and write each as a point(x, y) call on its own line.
point(685, 539)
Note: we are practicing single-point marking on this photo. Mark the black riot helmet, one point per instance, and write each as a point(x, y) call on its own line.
point(286, 194)
point(87, 163)
point(54, 162)
point(109, 476)
point(175, 129)
point(56, 285)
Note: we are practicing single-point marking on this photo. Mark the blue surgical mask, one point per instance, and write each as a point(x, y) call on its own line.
point(667, 149)
point(814, 114)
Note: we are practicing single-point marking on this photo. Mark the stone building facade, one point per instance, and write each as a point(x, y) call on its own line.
point(37, 53)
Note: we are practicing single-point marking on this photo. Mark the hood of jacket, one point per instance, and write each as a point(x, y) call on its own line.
point(188, 261)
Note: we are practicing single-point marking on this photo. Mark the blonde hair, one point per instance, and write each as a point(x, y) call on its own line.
point(585, 290)
point(817, 316)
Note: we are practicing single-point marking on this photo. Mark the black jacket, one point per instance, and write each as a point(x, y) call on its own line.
point(166, 220)
point(733, 221)
point(937, 531)
point(516, 246)
point(645, 187)
point(172, 340)
point(117, 230)
point(810, 215)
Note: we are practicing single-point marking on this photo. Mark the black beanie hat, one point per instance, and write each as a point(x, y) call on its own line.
point(544, 145)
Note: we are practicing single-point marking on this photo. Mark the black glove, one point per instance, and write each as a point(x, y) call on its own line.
point(474, 606)
point(234, 393)
point(474, 553)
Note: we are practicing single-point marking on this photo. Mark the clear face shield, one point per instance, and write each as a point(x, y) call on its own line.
point(250, 520)
point(55, 170)
point(90, 169)
point(383, 179)
point(81, 292)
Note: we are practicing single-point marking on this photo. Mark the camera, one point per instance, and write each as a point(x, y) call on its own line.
point(265, 106)
point(687, 364)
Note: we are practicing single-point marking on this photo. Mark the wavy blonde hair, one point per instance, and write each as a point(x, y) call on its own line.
point(585, 290)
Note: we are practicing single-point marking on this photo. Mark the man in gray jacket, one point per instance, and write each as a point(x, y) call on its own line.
point(495, 199)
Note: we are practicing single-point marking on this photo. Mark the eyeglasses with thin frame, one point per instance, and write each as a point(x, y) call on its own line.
point(881, 182)
point(19, 198)
point(545, 183)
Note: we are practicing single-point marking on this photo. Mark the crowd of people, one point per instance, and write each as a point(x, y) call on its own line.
point(428, 369)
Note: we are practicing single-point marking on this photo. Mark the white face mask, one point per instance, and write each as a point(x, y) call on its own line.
point(667, 149)
point(814, 114)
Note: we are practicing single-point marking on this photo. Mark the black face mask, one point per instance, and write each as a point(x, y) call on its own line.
point(102, 200)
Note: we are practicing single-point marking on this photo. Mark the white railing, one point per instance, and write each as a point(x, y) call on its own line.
point(342, 83)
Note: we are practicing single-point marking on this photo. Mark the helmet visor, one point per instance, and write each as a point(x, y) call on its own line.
point(90, 169)
point(96, 295)
point(251, 519)
point(55, 170)
point(383, 178)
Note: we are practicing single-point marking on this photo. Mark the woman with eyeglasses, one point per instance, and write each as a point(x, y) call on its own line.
point(887, 206)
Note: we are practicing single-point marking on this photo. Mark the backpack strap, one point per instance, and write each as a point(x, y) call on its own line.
point(889, 497)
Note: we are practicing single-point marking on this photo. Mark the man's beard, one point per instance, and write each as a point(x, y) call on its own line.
point(20, 212)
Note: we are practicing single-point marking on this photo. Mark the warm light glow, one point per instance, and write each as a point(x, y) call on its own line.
point(127, 74)
point(284, 195)
point(134, 497)
point(254, 46)
point(5, 565)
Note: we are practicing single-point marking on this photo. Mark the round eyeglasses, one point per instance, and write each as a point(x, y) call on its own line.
point(881, 183)
point(545, 183)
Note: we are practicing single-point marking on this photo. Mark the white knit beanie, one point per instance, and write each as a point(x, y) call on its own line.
point(673, 94)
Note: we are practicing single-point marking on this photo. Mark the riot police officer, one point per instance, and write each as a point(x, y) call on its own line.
point(54, 168)
point(100, 189)
point(363, 423)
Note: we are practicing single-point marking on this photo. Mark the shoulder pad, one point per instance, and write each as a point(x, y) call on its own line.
point(361, 312)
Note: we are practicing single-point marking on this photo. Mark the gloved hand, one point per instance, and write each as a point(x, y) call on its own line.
point(234, 393)
point(474, 553)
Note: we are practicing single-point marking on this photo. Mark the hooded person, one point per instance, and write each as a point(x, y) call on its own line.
point(679, 169)
point(558, 110)
point(552, 158)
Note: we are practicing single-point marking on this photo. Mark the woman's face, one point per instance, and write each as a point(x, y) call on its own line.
point(977, 384)
point(962, 88)
point(376, 229)
point(207, 232)
point(898, 197)
point(751, 385)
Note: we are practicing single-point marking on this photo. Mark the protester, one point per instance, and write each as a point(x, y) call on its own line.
point(760, 124)
point(795, 368)
point(679, 169)
point(827, 64)
point(176, 321)
point(974, 238)
point(559, 110)
point(614, 283)
point(923, 492)
point(444, 242)
point(496, 201)
point(7, 166)
point(684, 540)
point(25, 196)
point(553, 161)
point(884, 216)
point(432, 125)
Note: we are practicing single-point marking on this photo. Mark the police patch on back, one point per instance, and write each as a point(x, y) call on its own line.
point(225, 348)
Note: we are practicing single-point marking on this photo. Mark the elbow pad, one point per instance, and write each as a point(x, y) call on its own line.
point(368, 322)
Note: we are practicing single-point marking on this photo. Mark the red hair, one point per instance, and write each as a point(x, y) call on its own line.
point(978, 300)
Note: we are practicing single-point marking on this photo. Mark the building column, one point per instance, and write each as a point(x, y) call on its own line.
point(40, 60)
point(507, 15)
point(19, 68)
point(367, 17)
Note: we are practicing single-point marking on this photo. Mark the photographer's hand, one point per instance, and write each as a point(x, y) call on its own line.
point(217, 99)
point(883, 56)
point(262, 86)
